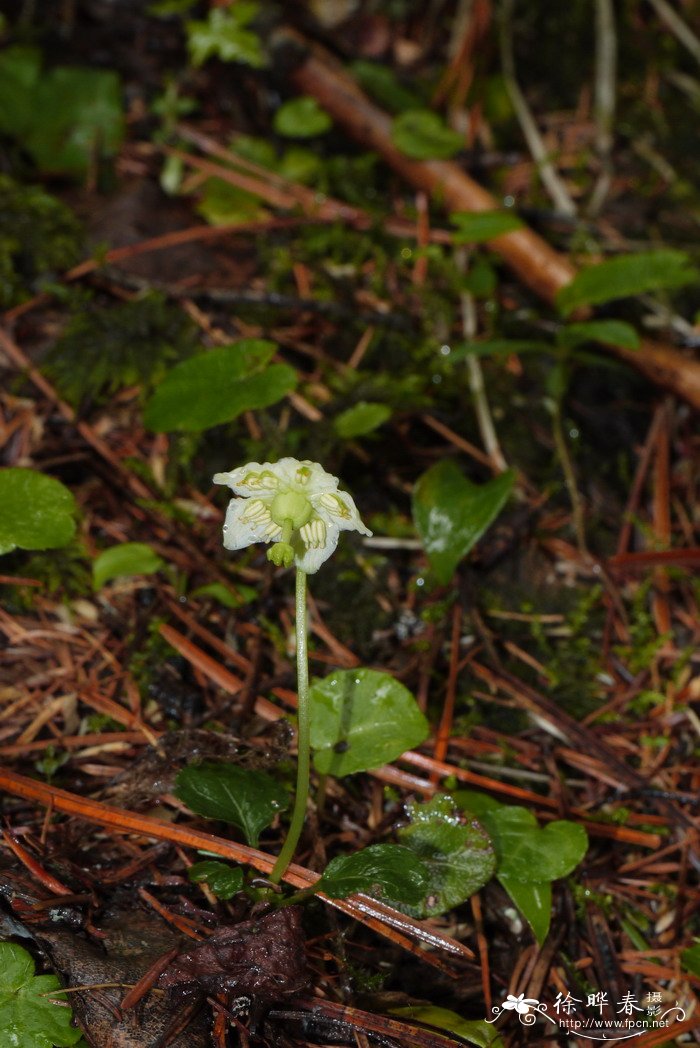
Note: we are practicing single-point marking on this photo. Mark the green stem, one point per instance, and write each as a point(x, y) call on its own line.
point(303, 737)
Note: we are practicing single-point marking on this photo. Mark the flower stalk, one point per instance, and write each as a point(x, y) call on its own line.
point(303, 735)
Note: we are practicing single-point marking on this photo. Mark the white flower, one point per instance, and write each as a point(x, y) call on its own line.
point(520, 1004)
point(296, 505)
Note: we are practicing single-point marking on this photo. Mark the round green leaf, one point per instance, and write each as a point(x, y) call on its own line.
point(380, 870)
point(612, 332)
point(361, 419)
point(218, 386)
point(421, 134)
point(301, 118)
point(247, 799)
point(29, 1018)
point(534, 900)
point(36, 511)
point(128, 558)
point(456, 850)
point(525, 852)
point(361, 719)
point(451, 514)
point(224, 880)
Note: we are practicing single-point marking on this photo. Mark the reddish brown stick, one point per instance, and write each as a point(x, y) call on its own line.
point(541, 268)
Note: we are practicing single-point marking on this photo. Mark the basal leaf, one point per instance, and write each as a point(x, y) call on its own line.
point(224, 880)
point(456, 850)
point(28, 1018)
point(476, 227)
point(611, 332)
point(382, 870)
point(422, 135)
point(301, 118)
point(627, 275)
point(361, 719)
point(451, 514)
point(247, 799)
point(382, 83)
point(534, 900)
point(474, 1031)
point(219, 385)
point(128, 558)
point(690, 958)
point(20, 69)
point(524, 851)
point(227, 597)
point(361, 419)
point(36, 511)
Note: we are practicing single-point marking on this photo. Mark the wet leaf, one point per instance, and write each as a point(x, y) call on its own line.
point(456, 850)
point(247, 799)
point(612, 332)
point(224, 880)
point(627, 275)
point(264, 957)
point(534, 900)
point(451, 514)
point(128, 558)
point(475, 227)
point(28, 1018)
point(422, 135)
point(36, 511)
point(361, 419)
point(301, 118)
point(382, 870)
point(525, 851)
point(218, 386)
point(361, 719)
point(474, 1031)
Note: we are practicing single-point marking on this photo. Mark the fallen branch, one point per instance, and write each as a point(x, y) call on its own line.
point(541, 268)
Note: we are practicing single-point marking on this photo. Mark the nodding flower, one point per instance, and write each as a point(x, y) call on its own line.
point(294, 505)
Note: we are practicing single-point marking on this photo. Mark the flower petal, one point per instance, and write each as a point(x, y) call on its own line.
point(311, 559)
point(255, 478)
point(239, 533)
point(339, 509)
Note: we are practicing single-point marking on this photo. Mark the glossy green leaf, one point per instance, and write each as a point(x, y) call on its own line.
point(690, 958)
point(28, 1018)
point(382, 870)
point(473, 1031)
point(475, 227)
point(225, 35)
point(218, 386)
point(361, 719)
point(610, 332)
point(451, 514)
point(301, 118)
point(227, 597)
point(224, 880)
point(525, 851)
point(128, 558)
point(36, 511)
point(78, 116)
point(627, 275)
point(534, 900)
point(456, 850)
point(422, 135)
point(247, 799)
point(361, 419)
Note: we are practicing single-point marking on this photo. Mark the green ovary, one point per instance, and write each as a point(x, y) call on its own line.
point(291, 506)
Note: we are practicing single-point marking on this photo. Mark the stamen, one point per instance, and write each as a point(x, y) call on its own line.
point(335, 505)
point(272, 531)
point(265, 480)
point(256, 510)
point(302, 475)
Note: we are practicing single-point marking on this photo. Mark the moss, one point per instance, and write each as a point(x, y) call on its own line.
point(39, 239)
point(104, 349)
